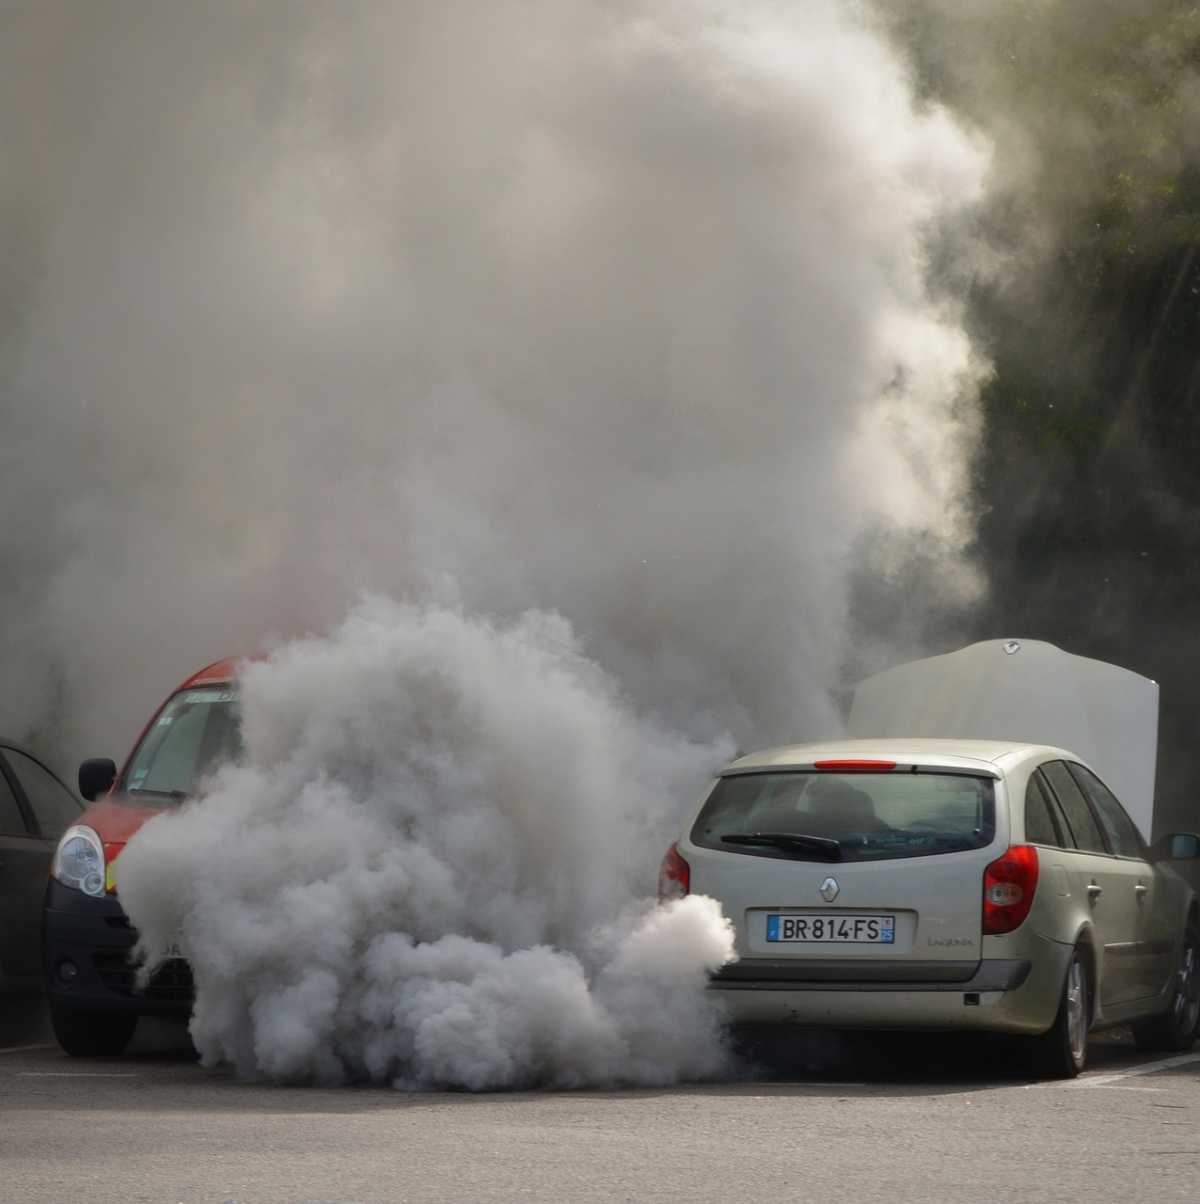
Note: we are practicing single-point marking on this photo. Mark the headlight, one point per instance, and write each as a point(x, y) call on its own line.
point(79, 861)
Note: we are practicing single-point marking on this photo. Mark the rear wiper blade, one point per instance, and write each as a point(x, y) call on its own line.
point(820, 846)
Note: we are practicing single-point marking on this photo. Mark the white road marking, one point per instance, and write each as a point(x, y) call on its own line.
point(1147, 1068)
point(27, 1048)
point(76, 1074)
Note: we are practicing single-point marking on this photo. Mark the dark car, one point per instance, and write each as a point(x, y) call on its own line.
point(95, 998)
point(35, 810)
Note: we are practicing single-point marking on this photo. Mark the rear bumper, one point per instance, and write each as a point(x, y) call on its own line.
point(761, 975)
point(95, 937)
point(1018, 995)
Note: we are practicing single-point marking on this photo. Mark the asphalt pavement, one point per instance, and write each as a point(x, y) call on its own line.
point(825, 1120)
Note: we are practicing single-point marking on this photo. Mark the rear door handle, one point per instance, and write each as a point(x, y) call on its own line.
point(1141, 890)
point(1094, 892)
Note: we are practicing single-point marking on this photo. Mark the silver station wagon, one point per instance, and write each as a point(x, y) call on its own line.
point(944, 884)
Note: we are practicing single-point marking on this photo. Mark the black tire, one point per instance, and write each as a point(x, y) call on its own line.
point(1061, 1051)
point(1175, 1029)
point(92, 1034)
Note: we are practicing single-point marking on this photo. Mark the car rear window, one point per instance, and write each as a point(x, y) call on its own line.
point(850, 817)
point(196, 731)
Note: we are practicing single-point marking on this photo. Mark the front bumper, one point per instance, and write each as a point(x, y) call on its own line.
point(1013, 995)
point(95, 936)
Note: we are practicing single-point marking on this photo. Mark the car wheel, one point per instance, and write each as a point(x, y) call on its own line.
point(92, 1034)
point(1175, 1029)
point(1061, 1051)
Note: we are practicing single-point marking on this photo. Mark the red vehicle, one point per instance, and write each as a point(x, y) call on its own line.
point(90, 982)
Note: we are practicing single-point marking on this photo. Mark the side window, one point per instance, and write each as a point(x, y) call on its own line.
point(12, 822)
point(53, 804)
point(1118, 827)
point(1066, 839)
point(1056, 812)
point(1074, 805)
point(1040, 826)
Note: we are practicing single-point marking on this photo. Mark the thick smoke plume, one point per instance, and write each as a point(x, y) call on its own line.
point(618, 310)
point(615, 311)
point(423, 869)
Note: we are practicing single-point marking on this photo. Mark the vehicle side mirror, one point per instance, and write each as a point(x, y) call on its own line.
point(1185, 846)
point(1180, 846)
point(96, 777)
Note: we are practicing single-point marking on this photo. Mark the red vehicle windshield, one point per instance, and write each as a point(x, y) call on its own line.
point(198, 730)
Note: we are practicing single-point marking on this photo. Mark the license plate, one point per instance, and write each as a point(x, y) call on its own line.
point(821, 929)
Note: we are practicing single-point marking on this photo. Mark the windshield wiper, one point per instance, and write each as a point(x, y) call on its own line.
point(176, 794)
point(820, 847)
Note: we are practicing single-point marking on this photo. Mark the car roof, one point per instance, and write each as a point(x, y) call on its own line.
point(219, 671)
point(992, 756)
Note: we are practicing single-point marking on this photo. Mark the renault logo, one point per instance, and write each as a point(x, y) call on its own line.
point(829, 890)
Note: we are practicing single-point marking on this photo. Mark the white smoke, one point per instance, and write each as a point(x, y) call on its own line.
point(616, 310)
point(428, 868)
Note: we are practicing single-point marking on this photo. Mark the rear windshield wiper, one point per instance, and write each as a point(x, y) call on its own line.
point(820, 847)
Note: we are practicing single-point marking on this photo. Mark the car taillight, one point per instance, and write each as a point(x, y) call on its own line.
point(1008, 887)
point(674, 876)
